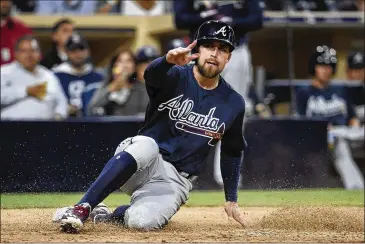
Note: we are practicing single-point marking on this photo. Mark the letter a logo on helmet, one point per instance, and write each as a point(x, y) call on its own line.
point(221, 30)
point(215, 30)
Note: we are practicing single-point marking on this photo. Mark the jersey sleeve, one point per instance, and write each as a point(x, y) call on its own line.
point(161, 76)
point(233, 144)
point(11, 94)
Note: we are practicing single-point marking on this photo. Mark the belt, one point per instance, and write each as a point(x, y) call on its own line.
point(188, 176)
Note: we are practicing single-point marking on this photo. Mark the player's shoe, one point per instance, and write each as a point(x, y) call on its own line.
point(101, 208)
point(102, 218)
point(73, 219)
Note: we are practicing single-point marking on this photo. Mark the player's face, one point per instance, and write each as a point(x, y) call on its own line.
point(213, 58)
point(323, 73)
point(125, 63)
point(28, 54)
point(356, 74)
point(78, 56)
point(63, 33)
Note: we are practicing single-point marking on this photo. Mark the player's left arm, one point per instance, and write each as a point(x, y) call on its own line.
point(233, 144)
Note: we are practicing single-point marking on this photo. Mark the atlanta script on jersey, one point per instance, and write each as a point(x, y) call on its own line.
point(186, 120)
point(332, 103)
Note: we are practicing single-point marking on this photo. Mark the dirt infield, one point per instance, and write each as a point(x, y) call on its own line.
point(305, 224)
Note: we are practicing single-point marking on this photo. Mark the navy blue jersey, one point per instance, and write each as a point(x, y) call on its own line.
point(87, 95)
point(78, 88)
point(242, 15)
point(186, 120)
point(332, 103)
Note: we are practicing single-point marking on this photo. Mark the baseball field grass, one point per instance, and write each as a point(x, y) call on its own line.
point(249, 198)
point(316, 215)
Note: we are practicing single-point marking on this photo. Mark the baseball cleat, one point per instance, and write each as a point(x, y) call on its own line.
point(100, 209)
point(73, 219)
point(102, 218)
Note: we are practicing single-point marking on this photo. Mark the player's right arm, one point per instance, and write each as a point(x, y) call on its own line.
point(160, 71)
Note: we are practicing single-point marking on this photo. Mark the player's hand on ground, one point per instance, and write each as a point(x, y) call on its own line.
point(180, 56)
point(233, 212)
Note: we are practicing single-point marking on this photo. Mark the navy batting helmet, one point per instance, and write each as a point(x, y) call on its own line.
point(215, 30)
point(355, 60)
point(146, 54)
point(323, 55)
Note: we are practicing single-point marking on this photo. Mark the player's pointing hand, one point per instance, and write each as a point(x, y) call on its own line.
point(180, 56)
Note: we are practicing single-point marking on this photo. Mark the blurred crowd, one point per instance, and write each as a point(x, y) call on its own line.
point(128, 7)
point(63, 82)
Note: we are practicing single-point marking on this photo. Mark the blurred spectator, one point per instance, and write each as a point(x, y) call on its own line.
point(351, 5)
point(355, 71)
point(67, 7)
point(136, 7)
point(176, 43)
point(332, 103)
point(272, 5)
point(61, 32)
point(243, 16)
point(312, 5)
point(144, 57)
point(28, 90)
point(11, 31)
point(77, 76)
point(25, 6)
point(121, 94)
point(355, 66)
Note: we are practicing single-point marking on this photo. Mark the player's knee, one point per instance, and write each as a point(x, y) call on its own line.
point(142, 218)
point(144, 150)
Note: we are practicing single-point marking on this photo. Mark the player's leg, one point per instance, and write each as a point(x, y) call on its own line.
point(154, 203)
point(132, 155)
point(351, 175)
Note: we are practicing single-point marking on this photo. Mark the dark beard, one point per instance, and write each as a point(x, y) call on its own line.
point(203, 73)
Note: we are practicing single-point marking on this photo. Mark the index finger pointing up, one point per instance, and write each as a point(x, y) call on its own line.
point(192, 45)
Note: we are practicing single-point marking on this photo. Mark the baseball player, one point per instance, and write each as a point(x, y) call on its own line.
point(191, 108)
point(356, 71)
point(323, 100)
point(244, 16)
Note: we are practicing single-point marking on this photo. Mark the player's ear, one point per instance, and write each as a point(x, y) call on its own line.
point(229, 57)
